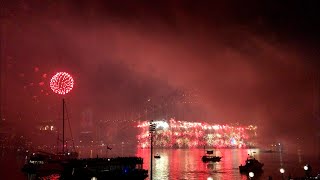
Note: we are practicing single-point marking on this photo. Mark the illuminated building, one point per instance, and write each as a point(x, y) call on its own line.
point(183, 134)
point(186, 104)
point(86, 136)
point(47, 126)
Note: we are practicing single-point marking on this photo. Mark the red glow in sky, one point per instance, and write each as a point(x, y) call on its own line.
point(61, 83)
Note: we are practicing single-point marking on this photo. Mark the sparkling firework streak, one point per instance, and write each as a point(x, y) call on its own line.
point(61, 83)
point(183, 134)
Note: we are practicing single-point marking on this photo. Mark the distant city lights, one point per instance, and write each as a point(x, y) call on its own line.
point(47, 128)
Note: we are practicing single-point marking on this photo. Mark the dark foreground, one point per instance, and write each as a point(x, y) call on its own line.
point(187, 164)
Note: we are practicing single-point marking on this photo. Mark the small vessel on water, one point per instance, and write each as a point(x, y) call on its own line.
point(251, 165)
point(48, 162)
point(105, 168)
point(268, 151)
point(68, 166)
point(209, 156)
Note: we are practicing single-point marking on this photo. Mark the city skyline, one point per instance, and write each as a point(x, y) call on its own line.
point(259, 66)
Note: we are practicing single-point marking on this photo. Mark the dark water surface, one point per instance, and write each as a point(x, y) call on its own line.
point(186, 164)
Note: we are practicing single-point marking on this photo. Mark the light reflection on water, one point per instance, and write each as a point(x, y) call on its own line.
point(51, 177)
point(187, 164)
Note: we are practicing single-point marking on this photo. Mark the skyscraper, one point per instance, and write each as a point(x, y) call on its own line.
point(2, 61)
point(316, 110)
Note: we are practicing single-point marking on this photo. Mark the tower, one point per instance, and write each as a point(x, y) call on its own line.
point(316, 110)
point(3, 69)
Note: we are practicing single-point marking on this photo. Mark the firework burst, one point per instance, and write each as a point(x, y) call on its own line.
point(61, 83)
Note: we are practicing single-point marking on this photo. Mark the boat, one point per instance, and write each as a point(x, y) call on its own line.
point(210, 157)
point(69, 166)
point(157, 156)
point(251, 165)
point(105, 168)
point(268, 151)
point(41, 162)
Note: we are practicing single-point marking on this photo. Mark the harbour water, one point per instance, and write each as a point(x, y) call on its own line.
point(186, 164)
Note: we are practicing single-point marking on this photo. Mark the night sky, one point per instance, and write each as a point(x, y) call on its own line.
point(252, 61)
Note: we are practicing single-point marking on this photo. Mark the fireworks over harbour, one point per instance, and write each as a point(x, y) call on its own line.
point(183, 134)
point(195, 81)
